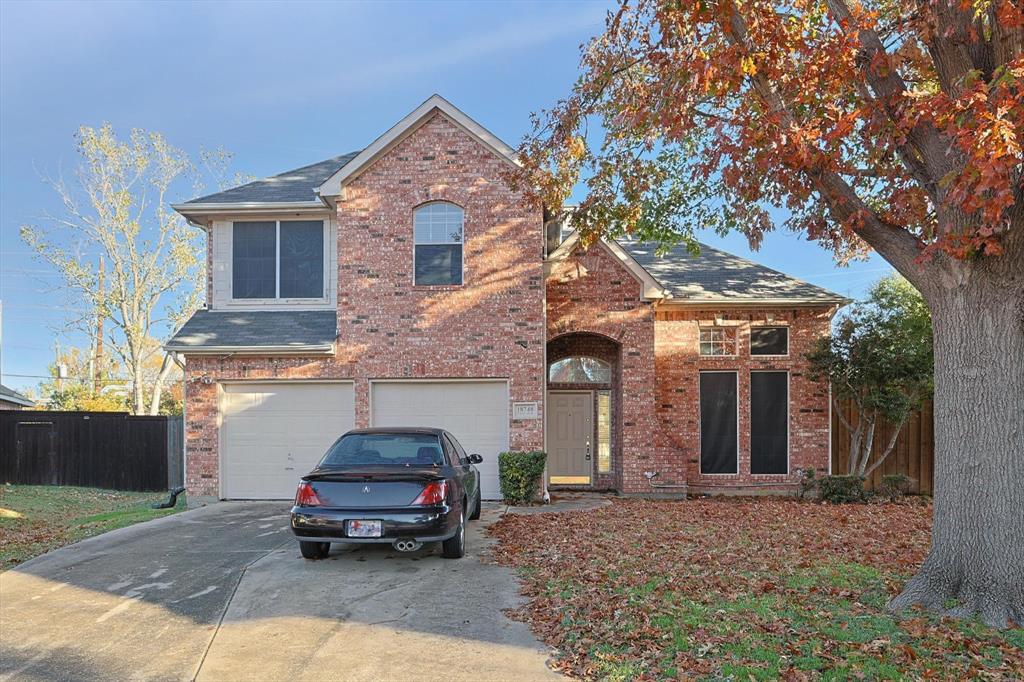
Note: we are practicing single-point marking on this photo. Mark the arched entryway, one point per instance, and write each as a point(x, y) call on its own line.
point(583, 425)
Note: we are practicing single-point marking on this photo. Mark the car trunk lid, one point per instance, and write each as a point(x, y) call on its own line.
point(371, 488)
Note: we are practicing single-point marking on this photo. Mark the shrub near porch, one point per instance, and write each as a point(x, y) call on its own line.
point(741, 588)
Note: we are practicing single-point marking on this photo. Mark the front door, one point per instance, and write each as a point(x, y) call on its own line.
point(570, 435)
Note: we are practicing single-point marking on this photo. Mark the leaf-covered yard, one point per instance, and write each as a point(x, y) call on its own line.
point(37, 518)
point(740, 589)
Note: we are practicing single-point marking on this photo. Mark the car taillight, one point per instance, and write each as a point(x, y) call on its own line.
point(305, 496)
point(433, 493)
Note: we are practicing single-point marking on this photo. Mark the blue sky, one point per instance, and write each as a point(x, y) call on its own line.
point(281, 85)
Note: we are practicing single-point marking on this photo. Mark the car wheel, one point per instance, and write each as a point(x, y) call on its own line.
point(476, 505)
point(314, 550)
point(455, 546)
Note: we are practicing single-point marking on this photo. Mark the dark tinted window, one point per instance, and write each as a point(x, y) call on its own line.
point(302, 259)
point(385, 449)
point(769, 341)
point(456, 449)
point(718, 423)
point(769, 427)
point(254, 260)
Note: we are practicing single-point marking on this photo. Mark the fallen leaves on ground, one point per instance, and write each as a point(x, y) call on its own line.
point(740, 589)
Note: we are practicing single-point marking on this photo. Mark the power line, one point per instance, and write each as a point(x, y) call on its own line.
point(107, 381)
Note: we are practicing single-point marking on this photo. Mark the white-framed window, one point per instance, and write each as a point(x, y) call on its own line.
point(437, 248)
point(718, 341)
point(769, 341)
point(277, 259)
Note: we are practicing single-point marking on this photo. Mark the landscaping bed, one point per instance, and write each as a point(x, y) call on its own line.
point(35, 518)
point(741, 589)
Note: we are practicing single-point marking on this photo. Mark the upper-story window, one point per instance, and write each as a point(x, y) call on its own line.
point(277, 259)
point(718, 341)
point(769, 341)
point(437, 229)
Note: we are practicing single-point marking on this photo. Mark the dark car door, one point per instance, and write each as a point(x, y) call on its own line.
point(467, 473)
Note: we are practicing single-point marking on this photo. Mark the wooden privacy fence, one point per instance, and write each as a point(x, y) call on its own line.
point(913, 455)
point(94, 449)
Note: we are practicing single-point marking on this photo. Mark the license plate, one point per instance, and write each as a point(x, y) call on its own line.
point(364, 529)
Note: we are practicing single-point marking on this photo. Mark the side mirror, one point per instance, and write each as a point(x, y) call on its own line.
point(475, 459)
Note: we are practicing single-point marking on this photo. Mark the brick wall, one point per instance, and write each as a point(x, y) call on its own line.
point(492, 326)
point(591, 291)
point(678, 366)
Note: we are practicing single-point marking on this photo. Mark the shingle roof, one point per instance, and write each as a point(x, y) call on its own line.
point(278, 330)
point(718, 276)
point(12, 396)
point(294, 185)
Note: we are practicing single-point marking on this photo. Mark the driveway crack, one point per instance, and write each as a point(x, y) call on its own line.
point(227, 605)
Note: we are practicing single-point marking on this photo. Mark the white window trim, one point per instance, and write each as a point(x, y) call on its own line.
point(277, 300)
point(735, 341)
point(789, 423)
point(750, 346)
point(462, 245)
point(736, 375)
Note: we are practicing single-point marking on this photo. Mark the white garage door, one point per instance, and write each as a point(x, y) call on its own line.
point(274, 433)
point(475, 412)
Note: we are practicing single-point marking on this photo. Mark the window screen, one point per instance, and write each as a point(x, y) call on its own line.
point(254, 255)
point(718, 423)
point(769, 427)
point(437, 230)
point(302, 259)
point(769, 341)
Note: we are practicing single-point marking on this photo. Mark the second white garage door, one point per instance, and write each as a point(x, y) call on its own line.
point(273, 433)
point(475, 412)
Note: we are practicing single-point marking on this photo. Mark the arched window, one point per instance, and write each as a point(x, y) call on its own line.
point(580, 370)
point(437, 252)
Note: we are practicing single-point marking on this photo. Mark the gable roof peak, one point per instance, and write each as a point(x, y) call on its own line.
point(334, 185)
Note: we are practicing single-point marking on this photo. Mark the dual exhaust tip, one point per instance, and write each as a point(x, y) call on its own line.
point(407, 545)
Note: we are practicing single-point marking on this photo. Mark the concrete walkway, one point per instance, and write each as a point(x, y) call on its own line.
point(221, 593)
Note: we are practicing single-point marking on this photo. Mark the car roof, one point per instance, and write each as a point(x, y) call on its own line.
point(398, 429)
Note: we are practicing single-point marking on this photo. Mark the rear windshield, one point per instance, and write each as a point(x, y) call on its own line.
point(384, 449)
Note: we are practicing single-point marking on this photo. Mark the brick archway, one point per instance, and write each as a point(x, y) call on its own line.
point(605, 349)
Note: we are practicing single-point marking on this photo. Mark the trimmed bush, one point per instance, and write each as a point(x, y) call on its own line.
point(519, 475)
point(842, 489)
point(894, 486)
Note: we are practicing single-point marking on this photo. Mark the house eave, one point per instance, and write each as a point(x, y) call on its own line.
point(311, 350)
point(24, 402)
point(724, 303)
point(192, 211)
point(650, 288)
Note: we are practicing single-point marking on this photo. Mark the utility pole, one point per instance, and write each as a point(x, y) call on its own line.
point(100, 365)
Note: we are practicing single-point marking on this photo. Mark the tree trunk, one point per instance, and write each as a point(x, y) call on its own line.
point(976, 563)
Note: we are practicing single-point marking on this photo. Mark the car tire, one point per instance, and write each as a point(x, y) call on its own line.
point(455, 546)
point(476, 504)
point(314, 550)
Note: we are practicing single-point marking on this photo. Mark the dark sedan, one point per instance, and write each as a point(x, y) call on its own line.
point(400, 486)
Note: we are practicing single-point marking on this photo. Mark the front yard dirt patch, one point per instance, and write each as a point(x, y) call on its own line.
point(37, 518)
point(745, 589)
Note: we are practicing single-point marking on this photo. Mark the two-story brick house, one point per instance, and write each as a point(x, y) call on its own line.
point(407, 284)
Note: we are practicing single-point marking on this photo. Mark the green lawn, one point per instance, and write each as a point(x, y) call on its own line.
point(741, 589)
point(35, 518)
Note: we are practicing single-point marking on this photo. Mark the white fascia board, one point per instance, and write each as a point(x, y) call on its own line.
point(708, 303)
point(651, 289)
point(17, 400)
point(333, 186)
point(251, 350)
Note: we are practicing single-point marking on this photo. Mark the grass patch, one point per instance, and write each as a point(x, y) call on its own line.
point(35, 519)
point(727, 589)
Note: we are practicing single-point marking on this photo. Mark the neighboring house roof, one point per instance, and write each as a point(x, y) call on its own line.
point(261, 331)
point(716, 276)
point(291, 187)
point(9, 395)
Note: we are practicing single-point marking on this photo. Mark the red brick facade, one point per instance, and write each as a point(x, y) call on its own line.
point(508, 318)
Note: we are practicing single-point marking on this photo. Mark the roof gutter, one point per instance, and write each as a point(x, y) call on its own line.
point(753, 303)
point(319, 349)
point(193, 211)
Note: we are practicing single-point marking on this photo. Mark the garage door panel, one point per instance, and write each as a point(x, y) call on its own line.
point(475, 412)
point(272, 434)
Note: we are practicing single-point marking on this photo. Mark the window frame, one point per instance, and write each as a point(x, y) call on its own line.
point(730, 330)
point(325, 253)
point(462, 247)
point(750, 342)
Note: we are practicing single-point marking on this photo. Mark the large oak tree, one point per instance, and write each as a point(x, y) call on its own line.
point(893, 125)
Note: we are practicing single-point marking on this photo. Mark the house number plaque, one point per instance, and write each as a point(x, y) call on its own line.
point(525, 410)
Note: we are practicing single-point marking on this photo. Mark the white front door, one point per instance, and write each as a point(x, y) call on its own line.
point(274, 433)
point(475, 412)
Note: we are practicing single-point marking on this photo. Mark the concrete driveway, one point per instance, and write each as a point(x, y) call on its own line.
point(221, 593)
